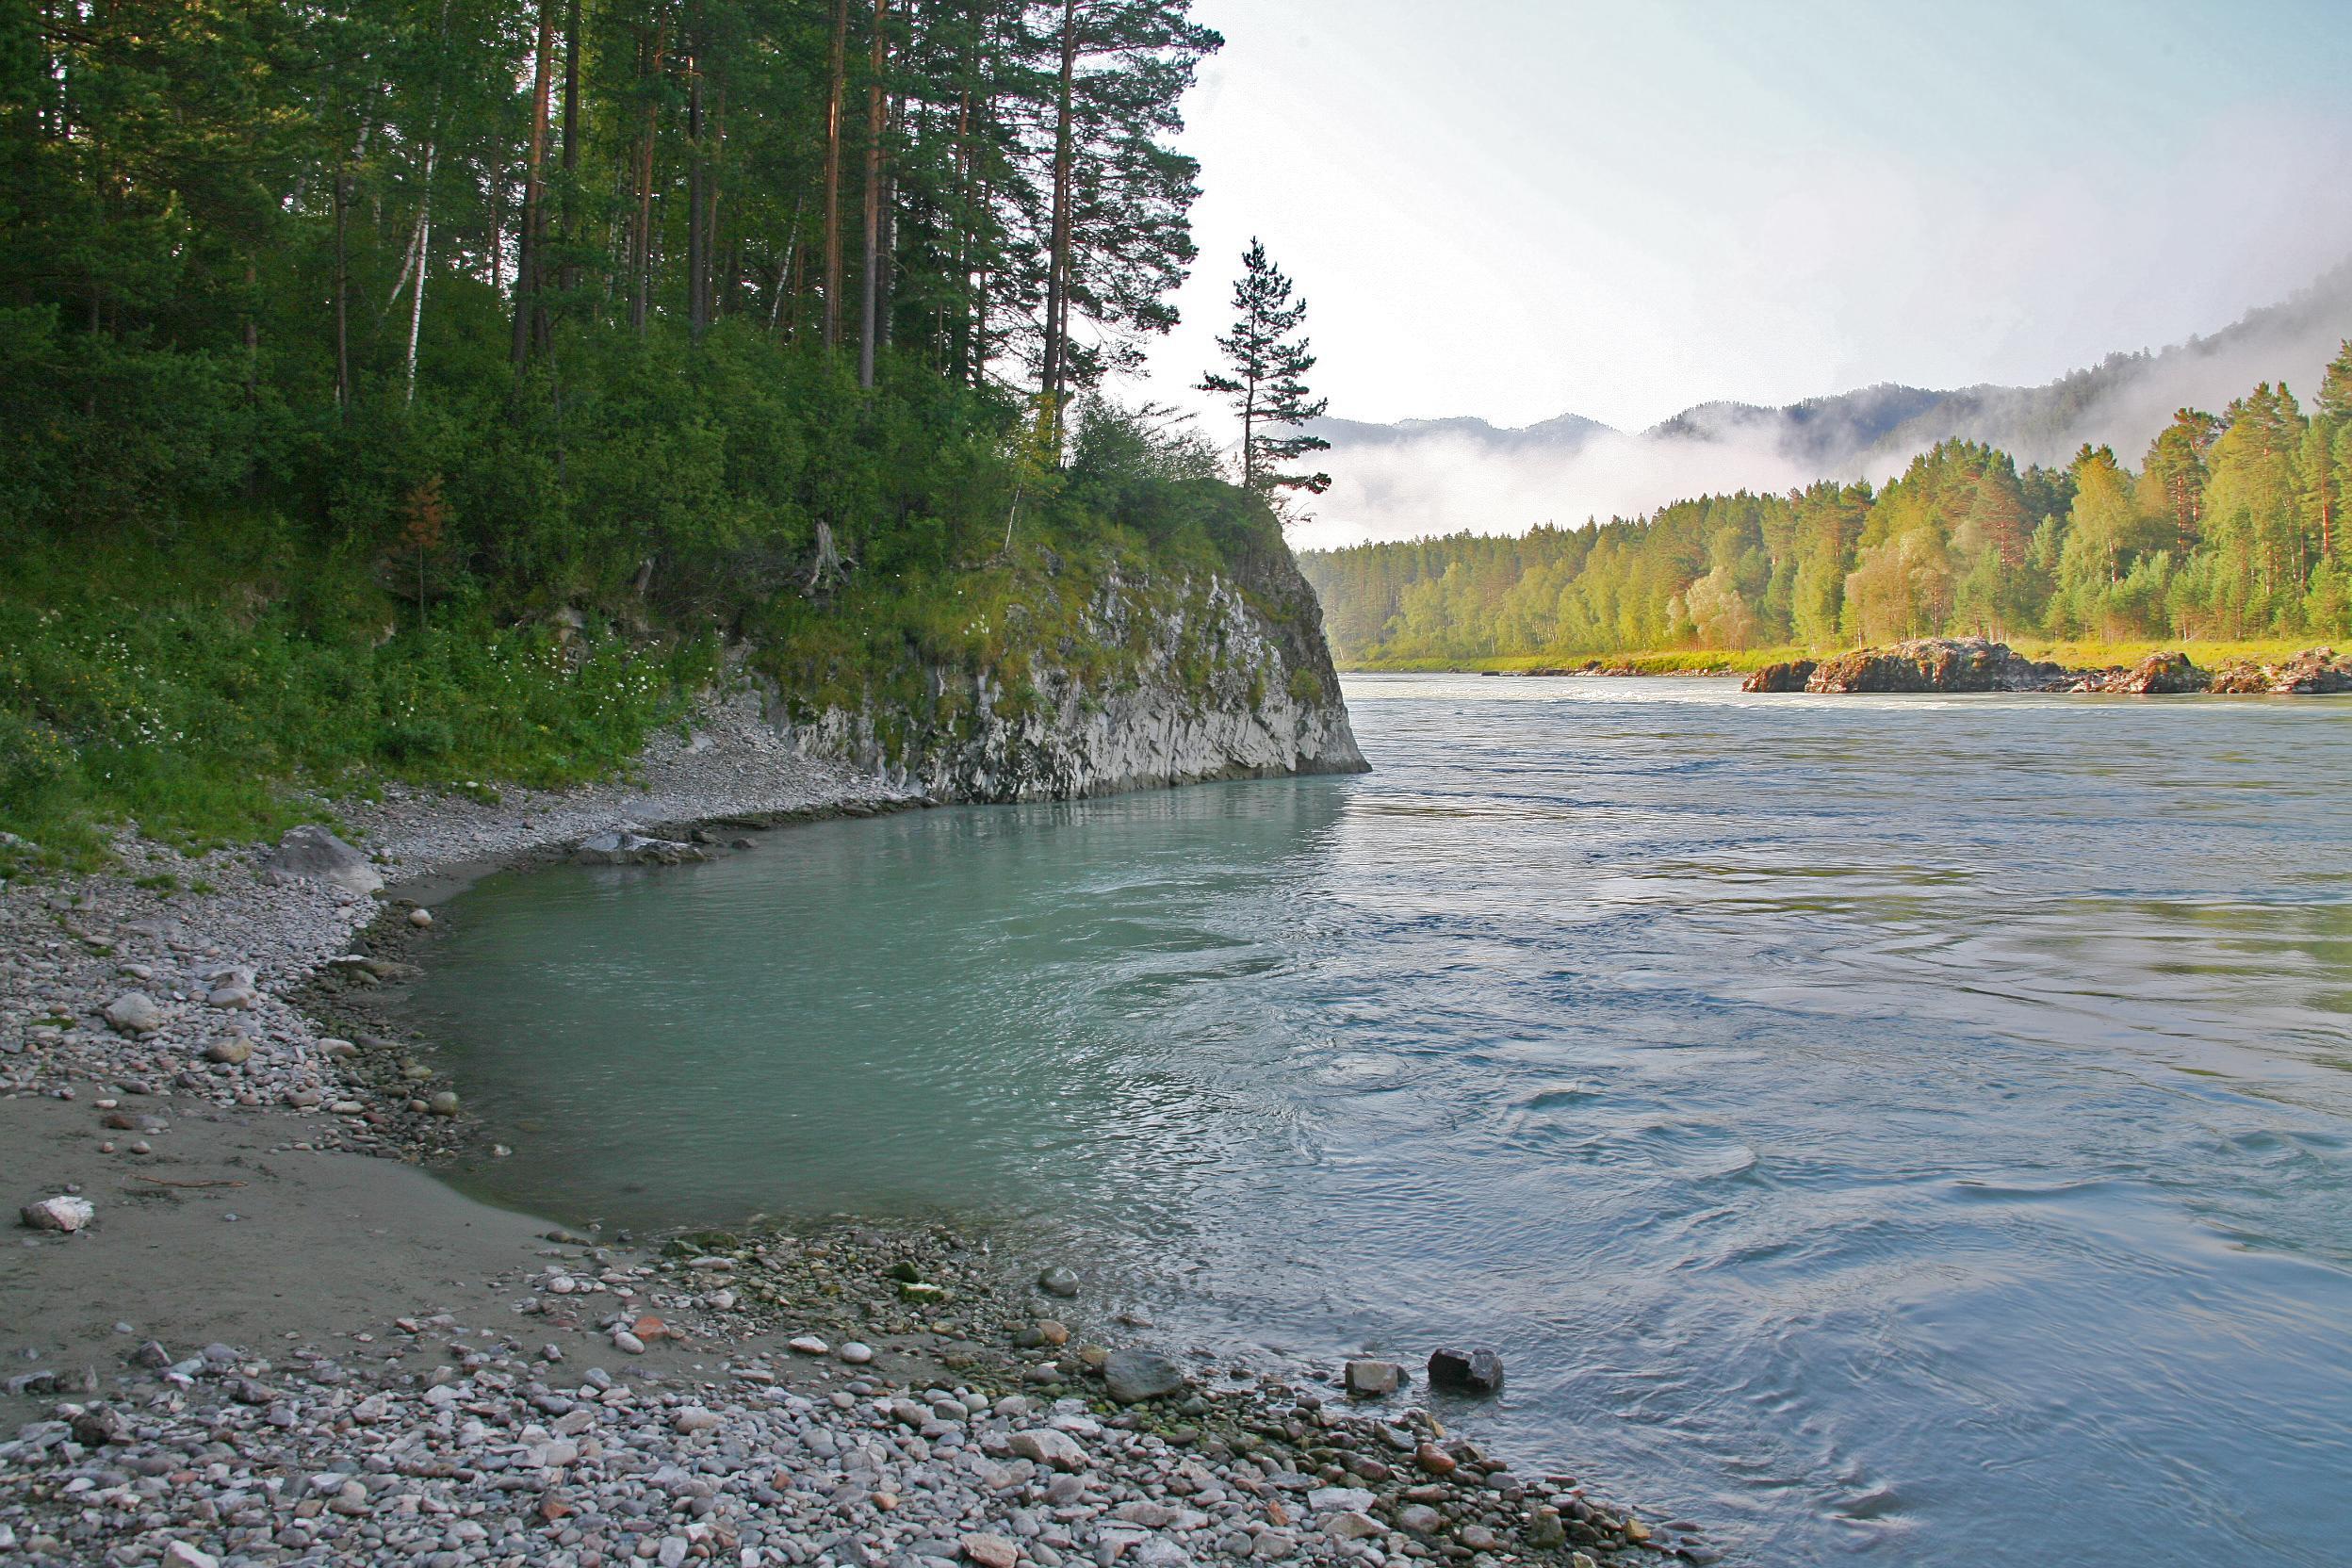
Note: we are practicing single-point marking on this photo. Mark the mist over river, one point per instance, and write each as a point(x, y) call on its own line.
point(1913, 1130)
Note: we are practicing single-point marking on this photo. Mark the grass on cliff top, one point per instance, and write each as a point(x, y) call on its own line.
point(2074, 655)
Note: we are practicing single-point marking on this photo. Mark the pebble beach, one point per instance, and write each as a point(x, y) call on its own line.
point(245, 1326)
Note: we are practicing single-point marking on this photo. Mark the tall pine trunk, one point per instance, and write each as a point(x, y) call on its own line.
point(713, 299)
point(527, 241)
point(696, 245)
point(833, 177)
point(1055, 358)
point(980, 297)
point(342, 300)
point(958, 337)
point(642, 257)
point(892, 119)
point(569, 277)
point(878, 101)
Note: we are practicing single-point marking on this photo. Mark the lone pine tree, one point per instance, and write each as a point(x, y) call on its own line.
point(1269, 383)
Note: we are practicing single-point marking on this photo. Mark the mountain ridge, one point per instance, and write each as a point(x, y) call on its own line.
point(1459, 471)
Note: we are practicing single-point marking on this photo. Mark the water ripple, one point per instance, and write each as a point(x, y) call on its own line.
point(1891, 1129)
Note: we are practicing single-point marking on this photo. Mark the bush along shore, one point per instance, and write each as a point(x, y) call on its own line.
point(235, 1343)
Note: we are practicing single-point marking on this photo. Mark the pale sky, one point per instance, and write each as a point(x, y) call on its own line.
point(1519, 208)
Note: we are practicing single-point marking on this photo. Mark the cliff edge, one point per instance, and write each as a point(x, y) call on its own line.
point(1124, 681)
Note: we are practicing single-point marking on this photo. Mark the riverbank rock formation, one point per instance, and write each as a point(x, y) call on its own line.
point(2314, 672)
point(1933, 664)
point(1789, 677)
point(2159, 675)
point(1973, 664)
point(1158, 684)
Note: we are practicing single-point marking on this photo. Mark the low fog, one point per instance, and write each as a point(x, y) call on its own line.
point(1400, 481)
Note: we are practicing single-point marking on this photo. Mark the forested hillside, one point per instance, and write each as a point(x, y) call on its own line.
point(428, 385)
point(2231, 527)
point(1438, 476)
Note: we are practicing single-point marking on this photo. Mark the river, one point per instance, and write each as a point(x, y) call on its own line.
point(1909, 1130)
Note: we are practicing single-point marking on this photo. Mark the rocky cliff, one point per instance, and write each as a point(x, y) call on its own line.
point(1143, 684)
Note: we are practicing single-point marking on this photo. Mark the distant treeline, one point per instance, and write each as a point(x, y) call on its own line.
point(2233, 527)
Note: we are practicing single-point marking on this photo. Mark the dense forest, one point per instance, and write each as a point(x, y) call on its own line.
point(358, 357)
point(2233, 527)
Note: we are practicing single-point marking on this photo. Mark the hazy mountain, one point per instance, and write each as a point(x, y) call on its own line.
point(1437, 476)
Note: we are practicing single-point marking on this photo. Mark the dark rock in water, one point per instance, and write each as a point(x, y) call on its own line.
point(1789, 677)
point(2159, 675)
point(1134, 1375)
point(1470, 1371)
point(1934, 665)
point(1058, 1282)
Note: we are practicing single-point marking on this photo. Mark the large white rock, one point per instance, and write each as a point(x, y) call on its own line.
point(67, 1213)
point(135, 1013)
point(991, 1551)
point(1050, 1447)
point(310, 851)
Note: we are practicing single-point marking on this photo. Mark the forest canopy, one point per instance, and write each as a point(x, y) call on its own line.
point(2231, 527)
point(610, 273)
point(434, 387)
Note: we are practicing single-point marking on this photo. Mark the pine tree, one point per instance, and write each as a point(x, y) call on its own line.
point(2335, 386)
point(2175, 464)
point(1268, 381)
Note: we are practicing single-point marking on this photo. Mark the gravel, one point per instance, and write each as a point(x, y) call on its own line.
point(888, 1433)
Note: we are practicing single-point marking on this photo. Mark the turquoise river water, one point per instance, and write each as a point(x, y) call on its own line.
point(1904, 1130)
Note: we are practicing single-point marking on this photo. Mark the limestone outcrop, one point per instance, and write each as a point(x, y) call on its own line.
point(1211, 677)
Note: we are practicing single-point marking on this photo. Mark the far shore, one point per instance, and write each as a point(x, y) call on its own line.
point(1742, 661)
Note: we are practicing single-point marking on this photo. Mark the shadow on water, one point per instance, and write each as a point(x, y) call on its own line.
point(1861, 1123)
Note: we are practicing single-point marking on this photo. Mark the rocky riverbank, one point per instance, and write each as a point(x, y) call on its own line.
point(256, 1346)
point(1974, 665)
point(1190, 680)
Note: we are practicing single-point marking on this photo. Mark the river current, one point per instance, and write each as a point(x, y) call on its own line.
point(1899, 1129)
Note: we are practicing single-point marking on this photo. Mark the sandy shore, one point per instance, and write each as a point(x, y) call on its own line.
point(269, 1346)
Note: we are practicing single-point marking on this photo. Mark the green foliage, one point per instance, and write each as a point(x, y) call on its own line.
point(355, 421)
point(1266, 377)
point(189, 708)
point(2234, 529)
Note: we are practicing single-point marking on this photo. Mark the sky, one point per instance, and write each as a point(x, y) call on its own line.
point(1519, 208)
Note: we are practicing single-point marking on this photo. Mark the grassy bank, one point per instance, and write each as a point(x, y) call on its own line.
point(222, 678)
point(2074, 655)
point(225, 691)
